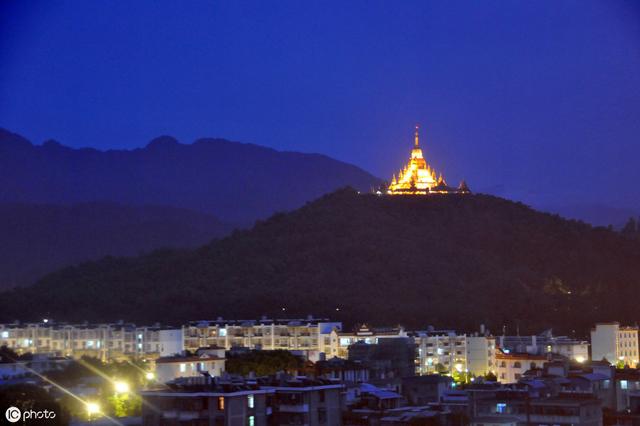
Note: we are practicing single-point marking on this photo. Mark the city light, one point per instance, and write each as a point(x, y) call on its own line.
point(93, 408)
point(121, 387)
point(580, 359)
point(150, 376)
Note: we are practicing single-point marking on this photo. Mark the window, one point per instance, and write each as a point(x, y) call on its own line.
point(5, 334)
point(322, 415)
point(501, 407)
point(250, 401)
point(221, 403)
point(624, 384)
point(252, 421)
point(517, 364)
point(183, 367)
point(321, 396)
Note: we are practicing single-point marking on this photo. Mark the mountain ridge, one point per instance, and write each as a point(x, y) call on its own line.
point(236, 182)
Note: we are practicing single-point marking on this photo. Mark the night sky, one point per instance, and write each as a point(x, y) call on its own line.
point(533, 100)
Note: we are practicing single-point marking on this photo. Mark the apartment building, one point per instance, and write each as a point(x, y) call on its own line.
point(104, 341)
point(209, 361)
point(615, 343)
point(341, 340)
point(269, 401)
point(310, 335)
point(445, 351)
point(200, 401)
point(546, 343)
point(511, 367)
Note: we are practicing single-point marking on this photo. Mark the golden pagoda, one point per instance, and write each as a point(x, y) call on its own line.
point(419, 178)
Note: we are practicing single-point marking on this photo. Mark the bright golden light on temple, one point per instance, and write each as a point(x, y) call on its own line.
point(419, 178)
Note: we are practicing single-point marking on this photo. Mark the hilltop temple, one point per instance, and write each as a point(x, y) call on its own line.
point(419, 178)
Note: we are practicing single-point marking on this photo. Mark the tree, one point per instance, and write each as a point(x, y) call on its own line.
point(263, 363)
point(630, 229)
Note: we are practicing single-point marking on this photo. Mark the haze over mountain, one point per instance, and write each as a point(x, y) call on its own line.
point(39, 238)
point(235, 182)
point(445, 260)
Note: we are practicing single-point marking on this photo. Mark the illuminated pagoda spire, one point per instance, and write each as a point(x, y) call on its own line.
point(417, 177)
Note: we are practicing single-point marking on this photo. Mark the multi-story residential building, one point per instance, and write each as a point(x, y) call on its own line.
point(390, 358)
point(448, 352)
point(309, 335)
point(205, 360)
point(546, 343)
point(105, 341)
point(520, 408)
point(615, 343)
point(200, 401)
point(341, 340)
point(303, 401)
point(481, 354)
point(111, 341)
point(441, 351)
point(511, 367)
point(204, 401)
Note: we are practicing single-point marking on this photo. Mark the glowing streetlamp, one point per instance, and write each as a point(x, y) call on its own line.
point(121, 387)
point(150, 376)
point(93, 409)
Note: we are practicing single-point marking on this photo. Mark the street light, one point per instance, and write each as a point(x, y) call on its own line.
point(93, 408)
point(121, 387)
point(150, 376)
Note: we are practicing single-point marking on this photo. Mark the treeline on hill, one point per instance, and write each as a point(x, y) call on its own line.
point(631, 229)
point(443, 260)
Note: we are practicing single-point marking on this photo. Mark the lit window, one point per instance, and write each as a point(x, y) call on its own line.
point(223, 332)
point(5, 334)
point(250, 401)
point(345, 341)
point(221, 403)
point(623, 384)
point(252, 421)
point(501, 407)
point(183, 367)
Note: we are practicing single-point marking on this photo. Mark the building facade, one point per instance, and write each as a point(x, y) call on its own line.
point(615, 343)
point(511, 367)
point(104, 341)
point(308, 335)
point(445, 351)
point(545, 343)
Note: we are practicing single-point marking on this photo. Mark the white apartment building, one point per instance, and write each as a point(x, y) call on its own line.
point(209, 360)
point(511, 367)
point(104, 341)
point(446, 351)
point(615, 343)
point(304, 335)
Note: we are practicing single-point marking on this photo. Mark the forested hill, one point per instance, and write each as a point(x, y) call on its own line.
point(451, 261)
point(36, 239)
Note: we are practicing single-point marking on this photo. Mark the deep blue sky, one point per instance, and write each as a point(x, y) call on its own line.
point(534, 100)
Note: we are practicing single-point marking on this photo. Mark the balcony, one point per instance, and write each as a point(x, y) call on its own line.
point(293, 408)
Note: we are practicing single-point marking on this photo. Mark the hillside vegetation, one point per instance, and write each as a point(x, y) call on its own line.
point(445, 260)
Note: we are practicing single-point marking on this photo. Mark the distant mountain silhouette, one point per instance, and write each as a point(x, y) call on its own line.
point(37, 238)
point(235, 182)
point(452, 261)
